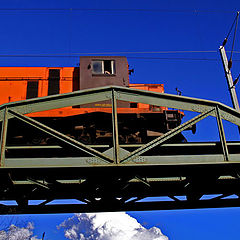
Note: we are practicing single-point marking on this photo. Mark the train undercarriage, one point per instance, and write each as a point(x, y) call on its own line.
point(96, 128)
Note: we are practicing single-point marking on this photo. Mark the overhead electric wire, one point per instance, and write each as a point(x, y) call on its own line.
point(119, 9)
point(109, 53)
point(104, 53)
point(190, 59)
point(235, 31)
point(238, 76)
point(167, 58)
point(151, 52)
point(231, 27)
point(127, 53)
point(129, 57)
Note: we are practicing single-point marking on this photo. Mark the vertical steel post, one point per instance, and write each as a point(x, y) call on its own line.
point(228, 76)
point(115, 128)
point(222, 135)
point(3, 137)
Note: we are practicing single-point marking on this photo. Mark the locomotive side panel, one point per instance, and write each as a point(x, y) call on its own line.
point(19, 83)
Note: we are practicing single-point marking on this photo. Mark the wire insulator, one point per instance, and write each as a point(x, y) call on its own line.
point(224, 42)
point(230, 64)
point(235, 82)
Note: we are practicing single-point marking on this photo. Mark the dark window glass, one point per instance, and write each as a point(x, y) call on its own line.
point(106, 67)
point(53, 81)
point(97, 67)
point(133, 105)
point(76, 83)
point(32, 89)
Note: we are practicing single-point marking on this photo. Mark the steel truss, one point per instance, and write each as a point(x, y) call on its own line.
point(118, 177)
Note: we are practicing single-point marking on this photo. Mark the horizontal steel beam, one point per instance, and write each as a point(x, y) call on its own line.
point(164, 145)
point(140, 161)
point(178, 102)
point(133, 206)
point(57, 101)
point(122, 93)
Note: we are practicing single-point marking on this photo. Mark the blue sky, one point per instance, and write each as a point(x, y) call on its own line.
point(170, 29)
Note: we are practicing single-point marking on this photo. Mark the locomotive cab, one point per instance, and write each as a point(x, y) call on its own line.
point(103, 71)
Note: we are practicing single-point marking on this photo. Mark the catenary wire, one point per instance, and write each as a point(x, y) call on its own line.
point(143, 58)
point(76, 54)
point(235, 31)
point(105, 53)
point(172, 58)
point(230, 30)
point(120, 10)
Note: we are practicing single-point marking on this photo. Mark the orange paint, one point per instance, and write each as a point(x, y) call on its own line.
point(14, 81)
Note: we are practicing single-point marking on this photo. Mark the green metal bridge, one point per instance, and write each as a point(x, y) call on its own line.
point(118, 177)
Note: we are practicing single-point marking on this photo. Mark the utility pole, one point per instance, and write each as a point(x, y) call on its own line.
point(43, 236)
point(228, 76)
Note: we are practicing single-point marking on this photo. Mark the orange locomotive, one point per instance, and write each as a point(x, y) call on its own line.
point(89, 123)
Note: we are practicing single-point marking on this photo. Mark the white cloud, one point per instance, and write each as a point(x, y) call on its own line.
point(108, 226)
point(18, 233)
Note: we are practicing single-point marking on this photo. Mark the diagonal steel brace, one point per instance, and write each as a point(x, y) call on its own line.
point(3, 137)
point(70, 141)
point(160, 140)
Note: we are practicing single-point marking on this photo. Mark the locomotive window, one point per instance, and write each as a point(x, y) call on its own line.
point(53, 81)
point(32, 89)
point(106, 67)
point(97, 67)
